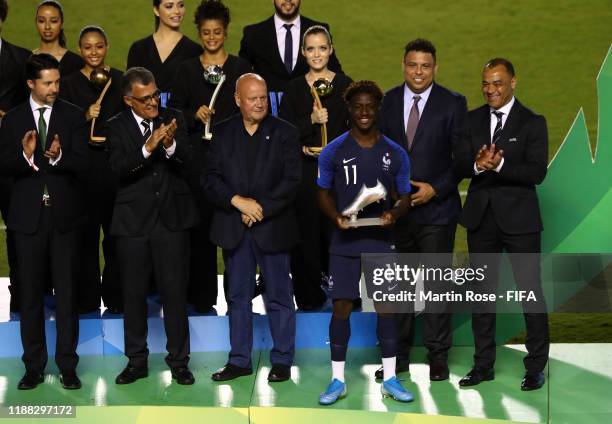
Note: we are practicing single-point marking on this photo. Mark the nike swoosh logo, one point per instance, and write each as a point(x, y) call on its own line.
point(345, 161)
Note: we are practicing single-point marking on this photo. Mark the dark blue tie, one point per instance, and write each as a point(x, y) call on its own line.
point(288, 58)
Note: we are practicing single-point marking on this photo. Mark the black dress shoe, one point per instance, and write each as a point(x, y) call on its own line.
point(131, 374)
point(438, 371)
point(70, 380)
point(231, 371)
point(279, 372)
point(182, 375)
point(30, 380)
point(477, 376)
point(399, 367)
point(532, 381)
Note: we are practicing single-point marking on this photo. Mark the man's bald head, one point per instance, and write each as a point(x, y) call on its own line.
point(247, 79)
point(252, 97)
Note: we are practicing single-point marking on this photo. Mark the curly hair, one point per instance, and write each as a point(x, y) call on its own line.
point(364, 86)
point(212, 10)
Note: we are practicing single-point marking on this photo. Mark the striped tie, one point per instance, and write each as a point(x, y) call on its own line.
point(146, 125)
point(498, 127)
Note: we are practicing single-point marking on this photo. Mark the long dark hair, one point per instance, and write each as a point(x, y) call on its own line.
point(156, 3)
point(56, 4)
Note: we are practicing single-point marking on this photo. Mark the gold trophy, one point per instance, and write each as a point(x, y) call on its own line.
point(214, 75)
point(101, 79)
point(321, 88)
point(365, 197)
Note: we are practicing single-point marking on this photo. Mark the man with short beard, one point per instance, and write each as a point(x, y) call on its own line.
point(272, 47)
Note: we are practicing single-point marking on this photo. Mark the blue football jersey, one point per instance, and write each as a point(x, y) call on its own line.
point(344, 168)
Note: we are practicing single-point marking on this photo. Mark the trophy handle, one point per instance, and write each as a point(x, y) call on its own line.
point(93, 138)
point(207, 134)
point(317, 100)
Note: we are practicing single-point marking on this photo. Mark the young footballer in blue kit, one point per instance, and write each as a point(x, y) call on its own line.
point(361, 156)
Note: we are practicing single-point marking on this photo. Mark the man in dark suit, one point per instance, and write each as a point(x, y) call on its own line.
point(43, 148)
point(13, 90)
point(426, 119)
point(252, 178)
point(273, 48)
point(505, 152)
point(153, 212)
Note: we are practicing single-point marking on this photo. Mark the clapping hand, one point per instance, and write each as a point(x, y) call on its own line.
point(29, 143)
point(54, 150)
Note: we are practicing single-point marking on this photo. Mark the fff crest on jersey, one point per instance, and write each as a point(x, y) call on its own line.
point(386, 160)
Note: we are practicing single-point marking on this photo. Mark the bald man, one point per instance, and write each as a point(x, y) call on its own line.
point(252, 177)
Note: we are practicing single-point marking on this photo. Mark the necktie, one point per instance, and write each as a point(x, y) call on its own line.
point(498, 127)
point(146, 125)
point(288, 57)
point(42, 128)
point(413, 121)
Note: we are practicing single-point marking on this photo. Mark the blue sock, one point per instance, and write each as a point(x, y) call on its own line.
point(339, 334)
point(386, 332)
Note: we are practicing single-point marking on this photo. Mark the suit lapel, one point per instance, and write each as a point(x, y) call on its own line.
point(54, 123)
point(482, 132)
point(271, 41)
point(512, 122)
point(399, 114)
point(133, 128)
point(428, 112)
point(240, 151)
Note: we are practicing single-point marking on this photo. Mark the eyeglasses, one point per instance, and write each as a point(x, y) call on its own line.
point(148, 99)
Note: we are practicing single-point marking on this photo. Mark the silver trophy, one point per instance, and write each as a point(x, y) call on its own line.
point(214, 75)
point(366, 196)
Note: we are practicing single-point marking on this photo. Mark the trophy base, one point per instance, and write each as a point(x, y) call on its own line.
point(365, 222)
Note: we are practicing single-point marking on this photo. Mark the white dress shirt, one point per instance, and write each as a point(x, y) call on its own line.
point(169, 151)
point(409, 100)
point(47, 117)
point(505, 109)
point(281, 32)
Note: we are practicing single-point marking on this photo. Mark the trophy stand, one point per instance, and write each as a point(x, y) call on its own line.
point(214, 75)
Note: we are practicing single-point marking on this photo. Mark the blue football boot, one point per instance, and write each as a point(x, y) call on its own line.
point(336, 390)
point(393, 388)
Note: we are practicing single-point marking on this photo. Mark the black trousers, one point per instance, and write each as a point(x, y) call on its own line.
point(488, 238)
point(45, 252)
point(309, 259)
point(101, 188)
point(164, 255)
point(411, 237)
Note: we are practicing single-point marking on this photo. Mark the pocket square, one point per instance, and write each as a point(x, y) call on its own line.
point(510, 140)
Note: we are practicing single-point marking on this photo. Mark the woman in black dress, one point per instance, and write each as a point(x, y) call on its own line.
point(50, 26)
point(191, 94)
point(99, 181)
point(308, 261)
point(164, 50)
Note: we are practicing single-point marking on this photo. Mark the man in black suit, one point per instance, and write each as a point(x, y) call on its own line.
point(505, 152)
point(426, 119)
point(252, 178)
point(273, 48)
point(43, 148)
point(13, 90)
point(153, 212)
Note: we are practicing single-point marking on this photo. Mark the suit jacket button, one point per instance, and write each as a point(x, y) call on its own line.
point(155, 174)
point(157, 193)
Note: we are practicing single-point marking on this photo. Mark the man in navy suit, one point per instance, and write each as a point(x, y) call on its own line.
point(505, 153)
point(273, 48)
point(252, 177)
point(426, 119)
